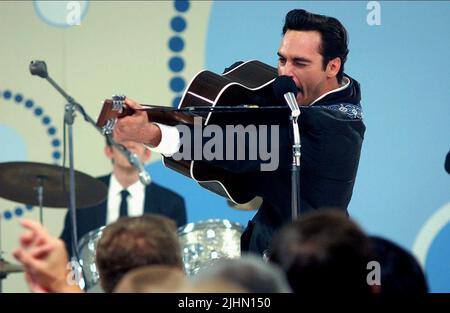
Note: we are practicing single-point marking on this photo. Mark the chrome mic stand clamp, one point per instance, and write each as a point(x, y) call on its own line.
point(295, 170)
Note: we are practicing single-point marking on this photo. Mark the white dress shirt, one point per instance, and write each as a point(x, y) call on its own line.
point(135, 200)
point(170, 140)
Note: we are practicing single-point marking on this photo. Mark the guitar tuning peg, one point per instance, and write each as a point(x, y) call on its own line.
point(118, 97)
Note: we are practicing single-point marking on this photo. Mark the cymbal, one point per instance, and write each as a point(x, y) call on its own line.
point(19, 182)
point(6, 267)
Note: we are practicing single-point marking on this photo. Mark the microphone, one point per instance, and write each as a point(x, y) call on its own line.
point(38, 68)
point(144, 177)
point(132, 158)
point(284, 88)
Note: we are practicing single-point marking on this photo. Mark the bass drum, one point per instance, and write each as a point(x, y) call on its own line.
point(87, 247)
point(205, 241)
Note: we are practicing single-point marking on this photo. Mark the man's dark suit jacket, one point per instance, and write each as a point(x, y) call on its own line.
point(158, 200)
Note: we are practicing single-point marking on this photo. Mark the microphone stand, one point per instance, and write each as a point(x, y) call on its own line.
point(295, 171)
point(39, 68)
point(296, 154)
point(69, 118)
point(2, 274)
point(132, 158)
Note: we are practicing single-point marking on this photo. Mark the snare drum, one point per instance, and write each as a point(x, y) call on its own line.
point(204, 241)
point(87, 247)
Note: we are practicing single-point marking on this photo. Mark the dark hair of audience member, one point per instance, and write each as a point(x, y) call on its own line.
point(250, 272)
point(401, 273)
point(323, 251)
point(133, 242)
point(152, 278)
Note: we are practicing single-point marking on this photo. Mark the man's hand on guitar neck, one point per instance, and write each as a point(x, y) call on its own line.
point(136, 127)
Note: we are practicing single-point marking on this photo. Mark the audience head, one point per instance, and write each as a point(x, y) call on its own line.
point(133, 242)
point(153, 278)
point(323, 251)
point(400, 271)
point(249, 272)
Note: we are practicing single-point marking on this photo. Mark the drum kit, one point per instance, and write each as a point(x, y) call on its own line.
point(201, 243)
point(46, 185)
point(205, 241)
point(8, 268)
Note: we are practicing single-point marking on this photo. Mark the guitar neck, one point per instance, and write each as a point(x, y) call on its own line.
point(167, 115)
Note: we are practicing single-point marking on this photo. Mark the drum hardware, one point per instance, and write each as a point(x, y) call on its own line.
point(87, 247)
point(205, 241)
point(201, 244)
point(6, 267)
point(47, 185)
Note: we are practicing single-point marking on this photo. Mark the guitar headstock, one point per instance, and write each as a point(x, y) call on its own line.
point(112, 110)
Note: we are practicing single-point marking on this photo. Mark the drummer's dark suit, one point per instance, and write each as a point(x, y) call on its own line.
point(158, 200)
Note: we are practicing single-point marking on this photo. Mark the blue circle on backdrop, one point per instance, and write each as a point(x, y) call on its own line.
point(18, 98)
point(177, 84)
point(61, 13)
point(51, 130)
point(181, 5)
point(178, 24)
point(7, 215)
point(437, 260)
point(56, 143)
point(7, 94)
point(18, 211)
point(38, 111)
point(46, 120)
point(29, 104)
point(176, 101)
point(176, 44)
point(176, 64)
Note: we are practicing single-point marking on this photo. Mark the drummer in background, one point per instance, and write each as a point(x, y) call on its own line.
point(127, 196)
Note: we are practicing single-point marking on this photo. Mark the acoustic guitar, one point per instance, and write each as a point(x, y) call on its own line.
point(215, 98)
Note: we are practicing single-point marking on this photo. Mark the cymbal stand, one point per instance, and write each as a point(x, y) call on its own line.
point(40, 197)
point(2, 275)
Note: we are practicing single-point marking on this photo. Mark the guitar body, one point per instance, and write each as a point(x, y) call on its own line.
point(242, 85)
